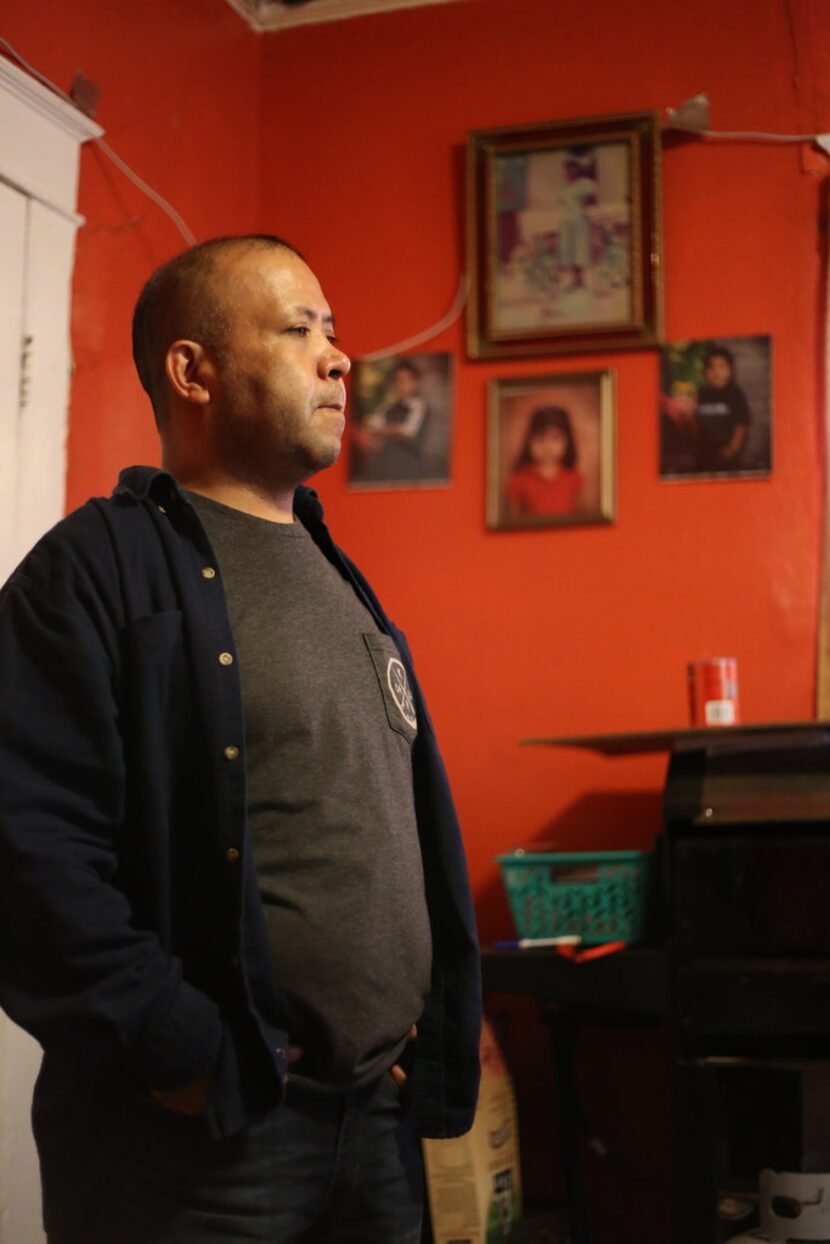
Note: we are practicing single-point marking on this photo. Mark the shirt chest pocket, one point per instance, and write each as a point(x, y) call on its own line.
point(156, 633)
point(398, 699)
point(157, 681)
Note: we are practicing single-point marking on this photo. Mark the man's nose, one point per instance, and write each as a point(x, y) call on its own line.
point(333, 362)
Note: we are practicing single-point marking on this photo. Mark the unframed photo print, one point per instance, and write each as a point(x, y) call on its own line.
point(401, 428)
point(715, 408)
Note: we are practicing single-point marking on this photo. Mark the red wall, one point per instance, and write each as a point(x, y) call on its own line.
point(348, 139)
point(581, 630)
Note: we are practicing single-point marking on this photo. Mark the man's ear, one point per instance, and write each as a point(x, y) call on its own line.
point(190, 372)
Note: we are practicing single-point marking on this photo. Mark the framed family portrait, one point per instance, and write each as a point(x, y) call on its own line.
point(400, 435)
point(564, 236)
point(715, 408)
point(551, 450)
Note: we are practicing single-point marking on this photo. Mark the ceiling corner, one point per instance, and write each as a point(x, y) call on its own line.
point(275, 15)
point(250, 11)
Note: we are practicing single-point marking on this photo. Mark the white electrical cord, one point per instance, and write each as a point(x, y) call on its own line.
point(180, 224)
point(452, 315)
point(152, 194)
point(692, 117)
point(459, 302)
point(749, 135)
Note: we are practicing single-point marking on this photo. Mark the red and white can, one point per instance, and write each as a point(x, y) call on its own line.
point(713, 692)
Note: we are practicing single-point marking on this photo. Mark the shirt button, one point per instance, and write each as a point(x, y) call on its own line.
point(231, 752)
point(232, 855)
point(225, 658)
point(208, 572)
point(161, 509)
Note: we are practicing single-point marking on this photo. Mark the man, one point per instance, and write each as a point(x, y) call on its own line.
point(227, 843)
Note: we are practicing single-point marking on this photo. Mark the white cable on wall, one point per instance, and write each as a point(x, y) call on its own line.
point(459, 302)
point(152, 194)
point(750, 135)
point(180, 224)
point(689, 117)
point(760, 136)
point(692, 117)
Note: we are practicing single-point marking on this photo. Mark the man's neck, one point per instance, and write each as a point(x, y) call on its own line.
point(277, 507)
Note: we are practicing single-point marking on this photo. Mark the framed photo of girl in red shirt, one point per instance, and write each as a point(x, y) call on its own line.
point(551, 450)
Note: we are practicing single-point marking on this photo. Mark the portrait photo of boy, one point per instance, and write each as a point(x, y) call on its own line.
point(715, 408)
point(400, 432)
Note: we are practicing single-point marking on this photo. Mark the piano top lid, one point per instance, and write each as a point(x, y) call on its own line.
point(723, 738)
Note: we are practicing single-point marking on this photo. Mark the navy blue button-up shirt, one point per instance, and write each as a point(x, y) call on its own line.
point(131, 930)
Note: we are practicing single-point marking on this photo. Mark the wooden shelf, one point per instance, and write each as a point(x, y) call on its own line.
point(633, 743)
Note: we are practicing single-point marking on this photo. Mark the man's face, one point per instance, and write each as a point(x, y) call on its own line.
point(404, 383)
point(278, 414)
point(717, 372)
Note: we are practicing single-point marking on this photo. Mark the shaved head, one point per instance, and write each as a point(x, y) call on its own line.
point(188, 298)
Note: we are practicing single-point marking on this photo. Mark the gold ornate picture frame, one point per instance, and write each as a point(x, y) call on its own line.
point(564, 237)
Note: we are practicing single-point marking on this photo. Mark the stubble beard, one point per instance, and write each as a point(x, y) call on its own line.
point(261, 454)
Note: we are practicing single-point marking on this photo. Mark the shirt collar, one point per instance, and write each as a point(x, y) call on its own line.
point(141, 482)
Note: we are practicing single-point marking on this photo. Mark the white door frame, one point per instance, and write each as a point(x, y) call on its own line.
point(40, 139)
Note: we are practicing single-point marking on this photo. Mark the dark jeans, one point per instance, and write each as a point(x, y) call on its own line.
point(318, 1169)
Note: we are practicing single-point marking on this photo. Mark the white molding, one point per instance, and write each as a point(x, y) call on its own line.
point(40, 140)
point(73, 217)
point(69, 118)
point(269, 15)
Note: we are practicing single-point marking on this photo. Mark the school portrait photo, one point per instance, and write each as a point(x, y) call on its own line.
point(551, 450)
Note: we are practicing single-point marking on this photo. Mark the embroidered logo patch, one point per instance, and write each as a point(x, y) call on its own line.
point(401, 694)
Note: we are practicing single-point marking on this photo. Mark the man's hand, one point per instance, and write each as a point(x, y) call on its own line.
point(396, 1071)
point(190, 1099)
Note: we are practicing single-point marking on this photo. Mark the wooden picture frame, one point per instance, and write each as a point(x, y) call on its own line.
point(551, 451)
point(564, 237)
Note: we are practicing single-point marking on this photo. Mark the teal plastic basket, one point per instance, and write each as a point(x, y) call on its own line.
point(598, 895)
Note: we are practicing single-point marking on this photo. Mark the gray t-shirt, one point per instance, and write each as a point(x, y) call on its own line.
point(329, 727)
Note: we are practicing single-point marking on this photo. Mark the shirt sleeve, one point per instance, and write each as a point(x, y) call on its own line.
point(411, 425)
point(74, 971)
